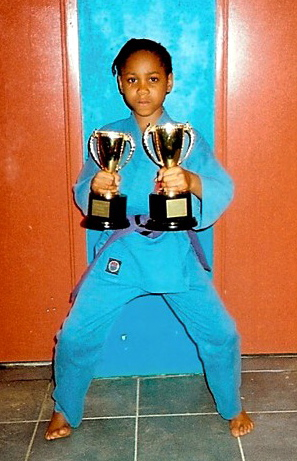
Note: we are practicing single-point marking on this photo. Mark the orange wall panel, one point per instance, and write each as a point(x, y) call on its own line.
point(36, 240)
point(259, 233)
point(42, 248)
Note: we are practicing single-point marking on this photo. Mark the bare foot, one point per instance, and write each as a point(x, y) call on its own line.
point(58, 427)
point(241, 425)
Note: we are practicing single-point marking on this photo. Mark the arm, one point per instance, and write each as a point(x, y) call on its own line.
point(91, 178)
point(206, 179)
point(216, 184)
point(82, 187)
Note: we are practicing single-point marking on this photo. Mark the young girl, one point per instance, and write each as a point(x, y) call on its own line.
point(146, 262)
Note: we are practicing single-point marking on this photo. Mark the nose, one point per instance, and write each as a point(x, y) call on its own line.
point(142, 87)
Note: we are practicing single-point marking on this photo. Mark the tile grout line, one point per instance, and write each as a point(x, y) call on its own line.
point(157, 415)
point(166, 415)
point(136, 421)
point(268, 412)
point(241, 449)
point(37, 423)
point(285, 370)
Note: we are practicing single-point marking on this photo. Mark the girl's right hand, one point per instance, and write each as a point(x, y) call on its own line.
point(105, 182)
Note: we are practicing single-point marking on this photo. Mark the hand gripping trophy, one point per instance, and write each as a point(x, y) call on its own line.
point(107, 148)
point(169, 212)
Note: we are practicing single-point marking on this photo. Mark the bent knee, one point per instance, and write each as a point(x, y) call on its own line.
point(68, 339)
point(226, 336)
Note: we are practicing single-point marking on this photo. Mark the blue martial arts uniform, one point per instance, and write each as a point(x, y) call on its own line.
point(135, 265)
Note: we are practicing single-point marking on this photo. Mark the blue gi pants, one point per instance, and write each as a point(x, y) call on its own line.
point(97, 306)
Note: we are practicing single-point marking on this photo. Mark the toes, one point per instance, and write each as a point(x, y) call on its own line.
point(57, 428)
point(242, 430)
point(58, 433)
point(241, 425)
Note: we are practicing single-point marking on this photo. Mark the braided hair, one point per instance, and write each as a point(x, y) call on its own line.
point(142, 44)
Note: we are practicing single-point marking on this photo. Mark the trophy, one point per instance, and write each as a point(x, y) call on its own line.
point(172, 211)
point(107, 148)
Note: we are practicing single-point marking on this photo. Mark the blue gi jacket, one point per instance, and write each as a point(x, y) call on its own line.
point(159, 265)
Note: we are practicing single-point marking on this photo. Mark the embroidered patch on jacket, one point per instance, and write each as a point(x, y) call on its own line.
point(113, 266)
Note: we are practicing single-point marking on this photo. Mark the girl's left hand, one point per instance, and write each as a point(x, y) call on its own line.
point(174, 180)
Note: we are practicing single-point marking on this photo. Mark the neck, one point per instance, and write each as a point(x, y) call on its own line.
point(143, 122)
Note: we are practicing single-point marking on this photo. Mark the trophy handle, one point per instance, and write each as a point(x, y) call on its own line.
point(190, 132)
point(127, 138)
point(150, 129)
point(93, 148)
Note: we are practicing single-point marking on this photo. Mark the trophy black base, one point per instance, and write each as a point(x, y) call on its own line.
point(170, 213)
point(106, 213)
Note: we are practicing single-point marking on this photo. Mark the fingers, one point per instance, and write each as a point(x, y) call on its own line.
point(161, 173)
point(117, 179)
point(174, 180)
point(105, 182)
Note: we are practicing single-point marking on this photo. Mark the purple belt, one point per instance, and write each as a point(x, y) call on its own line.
point(137, 224)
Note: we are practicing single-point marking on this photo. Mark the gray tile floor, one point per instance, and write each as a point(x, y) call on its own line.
point(160, 418)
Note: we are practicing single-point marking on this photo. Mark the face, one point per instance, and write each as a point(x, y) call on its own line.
point(144, 84)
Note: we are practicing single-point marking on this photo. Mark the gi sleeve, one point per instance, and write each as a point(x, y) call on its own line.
point(82, 187)
point(217, 185)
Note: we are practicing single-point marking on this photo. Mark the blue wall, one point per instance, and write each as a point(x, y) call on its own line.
point(148, 339)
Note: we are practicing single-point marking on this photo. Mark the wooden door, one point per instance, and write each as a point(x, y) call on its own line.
point(41, 243)
point(257, 138)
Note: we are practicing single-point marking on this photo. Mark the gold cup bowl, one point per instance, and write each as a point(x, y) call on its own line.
point(169, 211)
point(108, 149)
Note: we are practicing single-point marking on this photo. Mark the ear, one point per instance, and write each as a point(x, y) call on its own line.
point(120, 85)
point(169, 83)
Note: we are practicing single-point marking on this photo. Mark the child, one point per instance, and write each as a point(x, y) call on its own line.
point(148, 263)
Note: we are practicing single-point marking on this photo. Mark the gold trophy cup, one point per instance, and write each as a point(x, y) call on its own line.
point(108, 150)
point(169, 212)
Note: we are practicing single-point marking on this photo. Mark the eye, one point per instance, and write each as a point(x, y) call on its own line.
point(154, 79)
point(131, 80)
